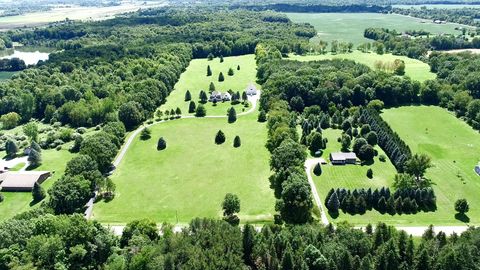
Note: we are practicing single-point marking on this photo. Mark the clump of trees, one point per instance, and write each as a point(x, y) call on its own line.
point(402, 201)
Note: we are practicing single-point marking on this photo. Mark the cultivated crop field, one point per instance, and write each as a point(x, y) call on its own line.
point(415, 69)
point(195, 79)
point(349, 27)
point(192, 175)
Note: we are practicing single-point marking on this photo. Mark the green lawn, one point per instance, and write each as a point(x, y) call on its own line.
point(351, 176)
point(17, 167)
point(195, 79)
point(190, 178)
point(415, 69)
point(17, 202)
point(453, 147)
point(4, 75)
point(349, 27)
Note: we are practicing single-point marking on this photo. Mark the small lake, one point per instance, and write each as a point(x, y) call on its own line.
point(30, 55)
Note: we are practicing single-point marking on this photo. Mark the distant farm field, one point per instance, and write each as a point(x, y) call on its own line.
point(195, 79)
point(453, 147)
point(349, 27)
point(415, 69)
point(192, 175)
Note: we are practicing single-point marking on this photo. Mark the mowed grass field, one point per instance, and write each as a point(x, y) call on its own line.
point(192, 175)
point(351, 176)
point(18, 202)
point(454, 148)
point(195, 79)
point(349, 27)
point(415, 69)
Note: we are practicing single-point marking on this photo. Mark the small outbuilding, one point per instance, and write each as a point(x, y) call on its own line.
point(22, 181)
point(226, 96)
point(341, 158)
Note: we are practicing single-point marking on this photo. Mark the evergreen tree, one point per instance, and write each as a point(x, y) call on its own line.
point(178, 111)
point(317, 170)
point(191, 107)
point(232, 115)
point(221, 58)
point(333, 203)
point(38, 193)
point(230, 72)
point(11, 148)
point(262, 116)
point(221, 78)
point(34, 158)
point(287, 259)
point(248, 243)
point(200, 111)
point(237, 142)
point(210, 57)
point(211, 87)
point(203, 97)
point(422, 262)
point(188, 96)
point(220, 137)
point(382, 205)
point(161, 144)
point(244, 96)
point(370, 173)
point(238, 67)
point(34, 145)
point(209, 71)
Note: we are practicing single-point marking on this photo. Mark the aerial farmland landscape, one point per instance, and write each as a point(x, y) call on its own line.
point(239, 134)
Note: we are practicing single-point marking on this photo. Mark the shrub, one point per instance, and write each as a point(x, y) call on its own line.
point(145, 134)
point(370, 173)
point(220, 137)
point(461, 206)
point(382, 158)
point(317, 170)
point(161, 144)
point(237, 142)
point(58, 148)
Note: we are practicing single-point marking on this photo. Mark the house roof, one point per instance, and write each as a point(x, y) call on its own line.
point(24, 179)
point(251, 87)
point(343, 156)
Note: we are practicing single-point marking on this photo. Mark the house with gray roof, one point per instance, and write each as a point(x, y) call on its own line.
point(342, 158)
point(22, 181)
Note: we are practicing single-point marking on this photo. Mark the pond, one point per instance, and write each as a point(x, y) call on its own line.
point(30, 55)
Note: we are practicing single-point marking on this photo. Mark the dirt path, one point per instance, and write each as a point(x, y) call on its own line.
point(309, 163)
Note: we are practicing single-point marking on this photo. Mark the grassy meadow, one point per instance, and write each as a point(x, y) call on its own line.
point(415, 69)
point(192, 175)
point(349, 27)
point(195, 79)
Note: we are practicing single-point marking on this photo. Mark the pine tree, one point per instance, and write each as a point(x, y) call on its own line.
point(232, 115)
point(211, 87)
point(382, 205)
point(244, 96)
point(333, 203)
point(230, 72)
point(200, 111)
point(188, 96)
point(191, 107)
point(248, 243)
point(287, 259)
point(238, 67)
point(11, 148)
point(237, 142)
point(262, 116)
point(38, 193)
point(34, 158)
point(221, 58)
point(220, 77)
point(34, 145)
point(210, 57)
point(370, 173)
point(220, 137)
point(161, 144)
point(178, 111)
point(209, 71)
point(317, 170)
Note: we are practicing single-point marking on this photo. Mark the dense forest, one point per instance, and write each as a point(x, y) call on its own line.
point(466, 16)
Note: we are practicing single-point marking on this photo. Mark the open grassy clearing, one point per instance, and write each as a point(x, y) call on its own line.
point(349, 27)
point(18, 202)
point(70, 12)
point(415, 69)
point(453, 147)
point(195, 79)
point(191, 177)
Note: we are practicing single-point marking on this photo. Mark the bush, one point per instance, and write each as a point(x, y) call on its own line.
point(317, 170)
point(145, 134)
point(237, 142)
point(461, 206)
point(370, 173)
point(382, 158)
point(58, 148)
point(161, 144)
point(220, 137)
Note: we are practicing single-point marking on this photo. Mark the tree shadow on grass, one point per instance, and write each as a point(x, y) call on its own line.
point(462, 217)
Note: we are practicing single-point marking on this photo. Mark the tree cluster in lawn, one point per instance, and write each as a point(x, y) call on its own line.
point(359, 201)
